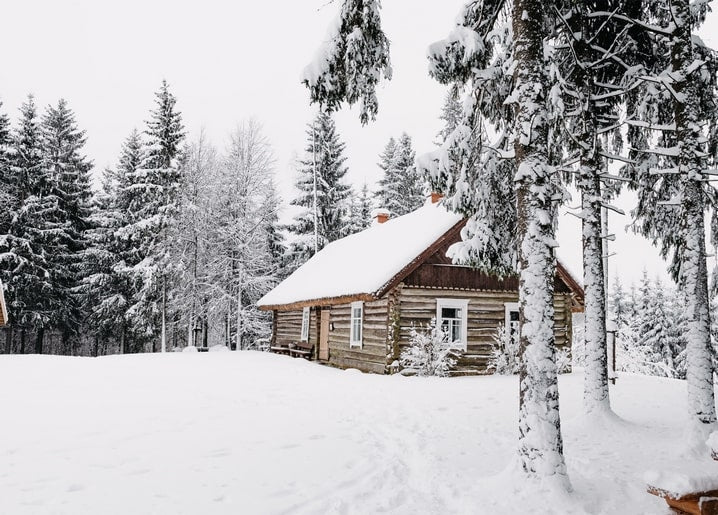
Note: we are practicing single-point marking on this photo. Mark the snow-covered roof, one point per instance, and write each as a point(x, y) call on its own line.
point(364, 263)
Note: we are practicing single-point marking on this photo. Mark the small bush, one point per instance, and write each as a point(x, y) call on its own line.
point(504, 358)
point(428, 353)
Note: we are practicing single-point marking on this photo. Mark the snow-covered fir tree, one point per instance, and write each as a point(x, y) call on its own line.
point(153, 191)
point(594, 79)
point(619, 305)
point(25, 266)
point(323, 191)
point(672, 110)
point(69, 194)
point(401, 189)
point(451, 114)
point(351, 61)
point(360, 208)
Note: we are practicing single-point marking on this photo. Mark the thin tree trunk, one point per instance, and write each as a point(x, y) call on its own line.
point(540, 442)
point(164, 317)
point(595, 386)
point(123, 350)
point(23, 334)
point(693, 269)
point(8, 339)
point(39, 338)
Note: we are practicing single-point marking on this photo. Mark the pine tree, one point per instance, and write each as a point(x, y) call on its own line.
point(401, 190)
point(68, 175)
point(536, 182)
point(619, 304)
point(671, 109)
point(594, 80)
point(155, 188)
point(451, 114)
point(26, 271)
point(325, 151)
point(108, 288)
point(359, 211)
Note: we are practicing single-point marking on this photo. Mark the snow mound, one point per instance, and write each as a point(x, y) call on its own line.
point(678, 484)
point(218, 348)
point(190, 348)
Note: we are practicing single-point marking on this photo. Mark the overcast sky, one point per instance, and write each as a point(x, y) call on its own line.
point(227, 61)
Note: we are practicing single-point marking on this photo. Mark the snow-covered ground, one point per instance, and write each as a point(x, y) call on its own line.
point(258, 433)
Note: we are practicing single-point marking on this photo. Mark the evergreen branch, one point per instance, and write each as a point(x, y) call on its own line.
point(647, 26)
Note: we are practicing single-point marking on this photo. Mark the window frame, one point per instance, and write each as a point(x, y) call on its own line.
point(356, 343)
point(462, 304)
point(306, 317)
point(510, 307)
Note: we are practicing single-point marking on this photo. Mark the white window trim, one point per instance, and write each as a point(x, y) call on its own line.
point(352, 342)
point(455, 303)
point(305, 324)
point(508, 308)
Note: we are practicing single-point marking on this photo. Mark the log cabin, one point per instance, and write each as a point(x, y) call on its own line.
point(358, 299)
point(3, 307)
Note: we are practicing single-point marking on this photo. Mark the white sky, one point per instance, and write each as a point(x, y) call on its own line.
point(230, 60)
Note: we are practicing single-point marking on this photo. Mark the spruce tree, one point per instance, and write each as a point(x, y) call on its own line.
point(358, 211)
point(325, 152)
point(536, 181)
point(68, 174)
point(108, 288)
point(153, 192)
point(401, 189)
point(672, 109)
point(26, 270)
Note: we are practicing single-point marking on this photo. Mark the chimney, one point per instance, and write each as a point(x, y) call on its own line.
point(436, 197)
point(380, 215)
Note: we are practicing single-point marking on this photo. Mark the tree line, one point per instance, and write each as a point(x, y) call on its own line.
point(180, 239)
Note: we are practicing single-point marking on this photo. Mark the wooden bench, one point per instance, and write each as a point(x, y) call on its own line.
point(280, 348)
point(695, 503)
point(698, 503)
point(302, 350)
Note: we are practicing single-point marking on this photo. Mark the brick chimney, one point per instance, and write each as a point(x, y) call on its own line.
point(380, 215)
point(436, 197)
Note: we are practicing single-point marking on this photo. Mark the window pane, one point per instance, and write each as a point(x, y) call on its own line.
point(514, 316)
point(450, 312)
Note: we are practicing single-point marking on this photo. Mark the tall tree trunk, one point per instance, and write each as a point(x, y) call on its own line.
point(540, 442)
point(164, 316)
point(123, 350)
point(693, 269)
point(39, 338)
point(23, 335)
point(8, 339)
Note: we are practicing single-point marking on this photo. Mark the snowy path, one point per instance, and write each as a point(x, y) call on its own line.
point(259, 433)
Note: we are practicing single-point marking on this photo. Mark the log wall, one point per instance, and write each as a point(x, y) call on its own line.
point(371, 357)
point(486, 312)
point(388, 323)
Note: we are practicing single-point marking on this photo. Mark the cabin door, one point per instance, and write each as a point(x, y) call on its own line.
point(324, 335)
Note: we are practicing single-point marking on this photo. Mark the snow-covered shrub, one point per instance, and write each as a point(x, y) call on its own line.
point(218, 348)
point(563, 360)
point(504, 358)
point(428, 353)
point(632, 355)
point(578, 342)
point(190, 348)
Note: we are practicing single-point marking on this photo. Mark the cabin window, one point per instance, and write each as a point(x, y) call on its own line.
point(512, 323)
point(451, 319)
point(305, 324)
point(357, 319)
